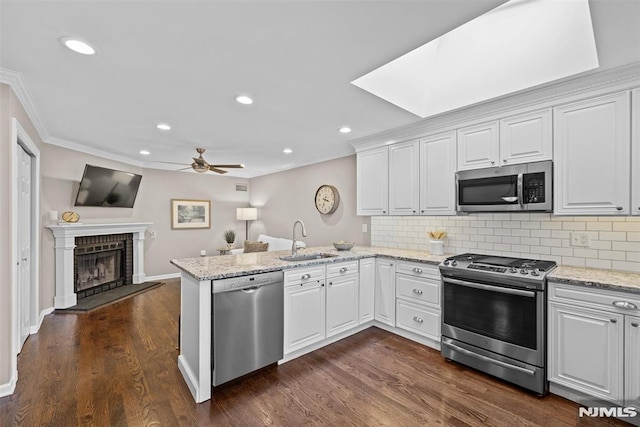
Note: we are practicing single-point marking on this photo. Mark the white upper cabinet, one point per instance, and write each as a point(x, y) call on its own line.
point(478, 146)
point(404, 193)
point(526, 138)
point(635, 152)
point(592, 149)
point(437, 174)
point(373, 181)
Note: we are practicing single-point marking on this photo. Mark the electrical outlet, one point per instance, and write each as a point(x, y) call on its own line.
point(364, 228)
point(152, 234)
point(580, 239)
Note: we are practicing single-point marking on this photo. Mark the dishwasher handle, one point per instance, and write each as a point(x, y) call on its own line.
point(251, 289)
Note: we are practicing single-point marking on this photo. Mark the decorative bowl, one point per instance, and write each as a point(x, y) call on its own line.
point(341, 245)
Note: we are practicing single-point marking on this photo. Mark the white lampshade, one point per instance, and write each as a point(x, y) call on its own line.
point(246, 214)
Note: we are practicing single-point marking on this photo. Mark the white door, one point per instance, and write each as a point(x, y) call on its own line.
point(632, 360)
point(404, 194)
point(586, 351)
point(24, 243)
point(342, 304)
point(385, 293)
point(591, 151)
point(526, 138)
point(478, 146)
point(367, 289)
point(438, 174)
point(373, 181)
point(304, 315)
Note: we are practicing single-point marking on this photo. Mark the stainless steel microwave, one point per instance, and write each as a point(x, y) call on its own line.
point(525, 187)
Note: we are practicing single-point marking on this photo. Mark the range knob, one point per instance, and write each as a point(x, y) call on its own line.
point(535, 272)
point(513, 270)
point(454, 263)
point(523, 271)
point(445, 262)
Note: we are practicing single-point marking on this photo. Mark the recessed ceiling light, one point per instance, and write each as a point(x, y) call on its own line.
point(163, 126)
point(242, 99)
point(78, 46)
point(145, 152)
point(287, 151)
point(344, 129)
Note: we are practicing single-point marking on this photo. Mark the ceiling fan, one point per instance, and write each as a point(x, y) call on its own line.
point(200, 165)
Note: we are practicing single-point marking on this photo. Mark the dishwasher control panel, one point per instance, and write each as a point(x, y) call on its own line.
point(241, 282)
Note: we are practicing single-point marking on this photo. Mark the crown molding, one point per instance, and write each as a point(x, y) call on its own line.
point(17, 82)
point(563, 91)
point(59, 142)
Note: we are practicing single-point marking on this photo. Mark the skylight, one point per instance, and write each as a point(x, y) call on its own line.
point(518, 45)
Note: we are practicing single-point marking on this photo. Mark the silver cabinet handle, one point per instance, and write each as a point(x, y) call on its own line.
point(330, 283)
point(417, 319)
point(619, 208)
point(634, 324)
point(343, 269)
point(493, 162)
point(613, 320)
point(417, 291)
point(504, 160)
point(305, 276)
point(24, 259)
point(417, 270)
point(626, 305)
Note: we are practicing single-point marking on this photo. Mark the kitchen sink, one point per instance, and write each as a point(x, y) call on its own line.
point(307, 257)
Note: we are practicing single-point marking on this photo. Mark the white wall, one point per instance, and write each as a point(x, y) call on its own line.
point(284, 197)
point(614, 241)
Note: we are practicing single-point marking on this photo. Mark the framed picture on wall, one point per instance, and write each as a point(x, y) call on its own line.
point(190, 214)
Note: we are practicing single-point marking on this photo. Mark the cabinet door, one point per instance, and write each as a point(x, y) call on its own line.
point(437, 174)
point(373, 181)
point(635, 152)
point(591, 156)
point(385, 293)
point(586, 350)
point(342, 304)
point(367, 289)
point(404, 193)
point(526, 138)
point(632, 362)
point(478, 146)
point(304, 315)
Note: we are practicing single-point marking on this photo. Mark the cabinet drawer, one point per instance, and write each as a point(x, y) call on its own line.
point(612, 301)
point(341, 269)
point(303, 275)
point(419, 319)
point(418, 289)
point(418, 269)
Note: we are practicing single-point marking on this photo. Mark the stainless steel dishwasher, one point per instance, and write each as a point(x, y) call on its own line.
point(247, 315)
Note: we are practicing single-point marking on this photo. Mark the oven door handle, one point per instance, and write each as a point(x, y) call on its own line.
point(519, 292)
point(488, 359)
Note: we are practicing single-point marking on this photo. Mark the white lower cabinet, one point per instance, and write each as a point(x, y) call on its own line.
point(594, 347)
point(418, 298)
point(304, 308)
point(366, 304)
point(342, 302)
point(385, 291)
point(632, 362)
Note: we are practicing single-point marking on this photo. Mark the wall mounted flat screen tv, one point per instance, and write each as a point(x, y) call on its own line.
point(107, 187)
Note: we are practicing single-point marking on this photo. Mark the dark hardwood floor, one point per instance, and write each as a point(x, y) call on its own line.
point(117, 366)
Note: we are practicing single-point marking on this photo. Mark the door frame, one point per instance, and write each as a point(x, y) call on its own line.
point(20, 138)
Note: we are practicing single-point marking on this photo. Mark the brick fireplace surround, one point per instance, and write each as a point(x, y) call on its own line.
point(65, 243)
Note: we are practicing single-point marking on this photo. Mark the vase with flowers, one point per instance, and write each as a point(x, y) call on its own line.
point(436, 244)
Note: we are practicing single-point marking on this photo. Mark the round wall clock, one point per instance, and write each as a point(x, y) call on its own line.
point(327, 199)
point(70, 216)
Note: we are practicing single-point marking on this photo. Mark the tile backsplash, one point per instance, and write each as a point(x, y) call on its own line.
point(613, 242)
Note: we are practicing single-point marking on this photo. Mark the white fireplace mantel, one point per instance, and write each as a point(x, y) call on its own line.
point(65, 242)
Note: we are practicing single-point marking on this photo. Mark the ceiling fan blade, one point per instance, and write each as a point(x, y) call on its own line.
point(215, 169)
point(240, 166)
point(184, 169)
point(171, 163)
point(199, 160)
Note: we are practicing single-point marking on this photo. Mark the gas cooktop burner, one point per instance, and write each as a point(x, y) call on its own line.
point(516, 268)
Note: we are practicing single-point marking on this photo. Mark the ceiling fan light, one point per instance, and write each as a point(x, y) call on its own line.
point(199, 168)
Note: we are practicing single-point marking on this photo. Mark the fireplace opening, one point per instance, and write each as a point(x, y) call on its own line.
point(102, 263)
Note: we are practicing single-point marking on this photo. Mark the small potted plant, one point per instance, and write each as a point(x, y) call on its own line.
point(229, 237)
point(436, 245)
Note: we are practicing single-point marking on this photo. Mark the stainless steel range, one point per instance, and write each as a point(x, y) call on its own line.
point(494, 316)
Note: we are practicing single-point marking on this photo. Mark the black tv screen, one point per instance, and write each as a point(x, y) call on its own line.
point(107, 187)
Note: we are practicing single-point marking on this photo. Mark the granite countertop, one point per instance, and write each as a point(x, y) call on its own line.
point(597, 278)
point(220, 267)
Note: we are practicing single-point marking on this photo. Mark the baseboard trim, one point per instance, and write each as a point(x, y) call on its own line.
point(36, 328)
point(7, 389)
point(163, 277)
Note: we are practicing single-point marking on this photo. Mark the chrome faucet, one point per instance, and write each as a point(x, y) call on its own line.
point(294, 247)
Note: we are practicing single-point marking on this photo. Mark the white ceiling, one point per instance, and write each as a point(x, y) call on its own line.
point(183, 62)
